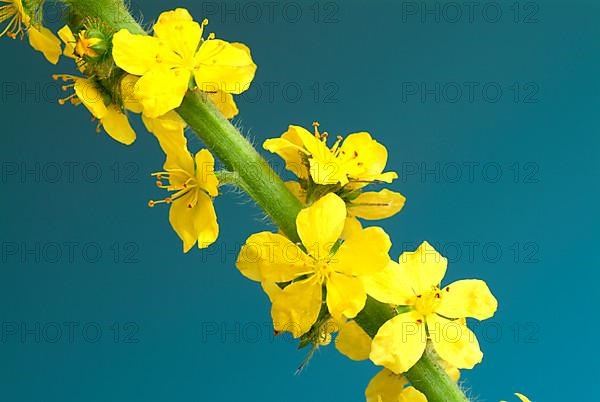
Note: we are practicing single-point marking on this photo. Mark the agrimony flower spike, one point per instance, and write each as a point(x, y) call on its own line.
point(432, 312)
point(21, 18)
point(177, 58)
point(192, 184)
point(294, 277)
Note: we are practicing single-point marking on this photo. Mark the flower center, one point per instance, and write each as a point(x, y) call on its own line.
point(428, 302)
point(180, 183)
point(323, 270)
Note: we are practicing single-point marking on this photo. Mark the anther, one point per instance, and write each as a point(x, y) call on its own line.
point(316, 127)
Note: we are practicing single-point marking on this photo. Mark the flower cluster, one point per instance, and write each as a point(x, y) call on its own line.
point(124, 73)
point(338, 263)
point(321, 278)
point(345, 168)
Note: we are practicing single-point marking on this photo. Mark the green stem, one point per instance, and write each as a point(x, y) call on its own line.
point(114, 12)
point(237, 154)
point(269, 192)
point(426, 375)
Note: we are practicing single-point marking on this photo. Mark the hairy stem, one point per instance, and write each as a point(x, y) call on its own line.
point(261, 182)
point(268, 190)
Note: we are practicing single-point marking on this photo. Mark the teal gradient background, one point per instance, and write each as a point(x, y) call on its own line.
point(505, 185)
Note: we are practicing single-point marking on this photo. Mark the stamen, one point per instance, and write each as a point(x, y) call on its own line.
point(316, 126)
point(337, 143)
point(64, 77)
point(68, 98)
point(152, 203)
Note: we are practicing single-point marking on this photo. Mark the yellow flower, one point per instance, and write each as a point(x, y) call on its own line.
point(19, 20)
point(169, 124)
point(322, 263)
point(353, 342)
point(193, 184)
point(372, 205)
point(389, 387)
point(175, 55)
point(110, 115)
point(356, 162)
point(434, 313)
point(522, 397)
point(81, 46)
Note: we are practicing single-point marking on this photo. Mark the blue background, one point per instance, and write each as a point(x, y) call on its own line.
point(190, 327)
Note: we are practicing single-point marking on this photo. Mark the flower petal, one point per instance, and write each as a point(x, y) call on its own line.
point(424, 268)
point(324, 167)
point(66, 35)
point(377, 205)
point(321, 224)
point(272, 257)
point(181, 219)
point(197, 224)
point(388, 286)
point(129, 90)
point(353, 342)
point(205, 172)
point(400, 342)
point(116, 124)
point(45, 41)
point(352, 226)
point(229, 66)
point(225, 103)
point(411, 394)
point(90, 97)
point(162, 90)
point(179, 31)
point(168, 130)
point(346, 296)
point(365, 159)
point(385, 387)
point(290, 148)
point(204, 217)
point(468, 298)
point(136, 54)
point(297, 307)
point(363, 253)
point(296, 189)
point(454, 341)
point(522, 397)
